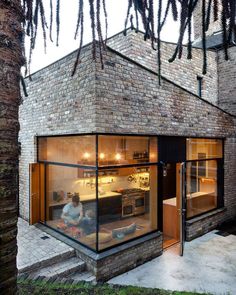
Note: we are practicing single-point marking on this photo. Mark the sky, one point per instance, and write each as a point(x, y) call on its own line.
point(116, 9)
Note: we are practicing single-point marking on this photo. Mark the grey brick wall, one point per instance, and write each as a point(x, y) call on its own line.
point(183, 72)
point(129, 99)
point(227, 80)
point(57, 104)
point(214, 26)
point(104, 267)
point(230, 176)
point(203, 224)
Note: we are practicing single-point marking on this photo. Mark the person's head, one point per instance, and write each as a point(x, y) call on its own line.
point(75, 200)
point(90, 214)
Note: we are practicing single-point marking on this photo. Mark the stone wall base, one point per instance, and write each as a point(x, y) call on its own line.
point(123, 258)
point(201, 225)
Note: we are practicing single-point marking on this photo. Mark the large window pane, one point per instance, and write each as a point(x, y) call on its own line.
point(63, 211)
point(68, 149)
point(121, 150)
point(203, 148)
point(127, 204)
point(201, 187)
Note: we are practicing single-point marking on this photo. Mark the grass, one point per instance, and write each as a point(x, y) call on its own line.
point(82, 288)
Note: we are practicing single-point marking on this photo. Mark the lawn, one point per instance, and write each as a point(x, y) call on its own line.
point(83, 288)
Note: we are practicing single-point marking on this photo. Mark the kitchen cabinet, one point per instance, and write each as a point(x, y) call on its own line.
point(109, 206)
point(170, 218)
point(147, 201)
point(110, 209)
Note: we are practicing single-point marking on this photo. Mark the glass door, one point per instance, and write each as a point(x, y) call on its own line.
point(182, 206)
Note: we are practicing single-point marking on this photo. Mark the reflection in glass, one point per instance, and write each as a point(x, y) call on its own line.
point(201, 184)
point(203, 148)
point(71, 202)
point(127, 204)
point(120, 150)
point(68, 149)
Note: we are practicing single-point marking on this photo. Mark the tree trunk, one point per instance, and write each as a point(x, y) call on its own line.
point(11, 60)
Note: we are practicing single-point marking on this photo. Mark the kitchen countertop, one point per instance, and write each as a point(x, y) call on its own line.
point(84, 198)
point(198, 194)
point(171, 202)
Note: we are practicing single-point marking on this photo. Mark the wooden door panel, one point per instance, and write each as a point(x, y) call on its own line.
point(34, 193)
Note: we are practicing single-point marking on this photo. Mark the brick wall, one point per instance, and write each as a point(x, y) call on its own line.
point(214, 26)
point(57, 104)
point(128, 256)
point(230, 176)
point(184, 72)
point(227, 80)
point(203, 224)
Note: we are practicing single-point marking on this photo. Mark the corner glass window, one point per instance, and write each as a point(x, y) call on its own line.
point(89, 198)
point(127, 204)
point(71, 202)
point(202, 186)
point(68, 149)
point(125, 150)
point(204, 148)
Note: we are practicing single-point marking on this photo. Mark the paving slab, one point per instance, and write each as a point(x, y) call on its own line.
point(34, 251)
point(208, 265)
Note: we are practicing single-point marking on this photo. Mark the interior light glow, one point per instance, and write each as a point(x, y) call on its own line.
point(86, 155)
point(118, 156)
point(102, 156)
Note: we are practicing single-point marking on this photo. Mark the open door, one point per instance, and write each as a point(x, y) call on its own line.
point(170, 203)
point(182, 207)
point(36, 172)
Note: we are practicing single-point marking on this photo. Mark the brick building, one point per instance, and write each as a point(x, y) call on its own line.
point(133, 151)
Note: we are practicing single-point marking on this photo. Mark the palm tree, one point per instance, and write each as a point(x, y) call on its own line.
point(19, 17)
point(11, 60)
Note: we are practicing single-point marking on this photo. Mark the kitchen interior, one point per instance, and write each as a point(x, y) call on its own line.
point(127, 196)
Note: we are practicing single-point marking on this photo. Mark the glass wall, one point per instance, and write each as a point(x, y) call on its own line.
point(105, 195)
point(125, 150)
point(202, 183)
point(71, 202)
point(90, 197)
point(204, 148)
point(201, 186)
point(68, 149)
point(127, 204)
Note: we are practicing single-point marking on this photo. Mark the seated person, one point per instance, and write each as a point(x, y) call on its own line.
point(88, 222)
point(72, 212)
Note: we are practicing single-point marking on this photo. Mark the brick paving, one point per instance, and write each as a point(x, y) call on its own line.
point(35, 252)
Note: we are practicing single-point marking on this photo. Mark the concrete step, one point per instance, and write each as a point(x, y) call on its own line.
point(48, 261)
point(60, 269)
point(85, 276)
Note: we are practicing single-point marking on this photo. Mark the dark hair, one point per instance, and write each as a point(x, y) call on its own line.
point(76, 198)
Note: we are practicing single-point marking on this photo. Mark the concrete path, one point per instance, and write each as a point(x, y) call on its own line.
point(208, 265)
point(36, 248)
